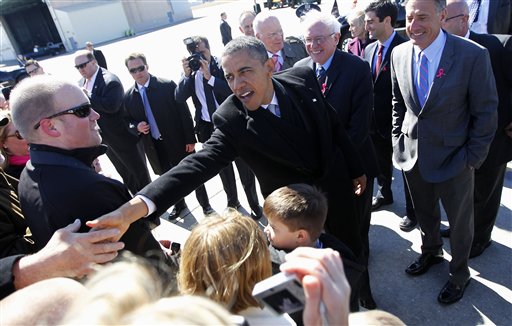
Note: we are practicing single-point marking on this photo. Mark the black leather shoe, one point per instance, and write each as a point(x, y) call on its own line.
point(407, 224)
point(478, 248)
point(452, 293)
point(423, 263)
point(257, 214)
point(445, 232)
point(208, 210)
point(177, 212)
point(235, 206)
point(368, 303)
point(377, 202)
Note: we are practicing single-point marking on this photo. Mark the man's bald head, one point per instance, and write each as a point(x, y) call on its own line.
point(457, 17)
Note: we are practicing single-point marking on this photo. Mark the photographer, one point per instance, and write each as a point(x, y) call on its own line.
point(203, 79)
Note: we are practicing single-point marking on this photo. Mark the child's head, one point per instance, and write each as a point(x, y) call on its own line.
point(296, 215)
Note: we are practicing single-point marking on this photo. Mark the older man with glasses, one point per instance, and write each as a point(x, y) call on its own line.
point(346, 84)
point(284, 52)
point(105, 92)
point(59, 185)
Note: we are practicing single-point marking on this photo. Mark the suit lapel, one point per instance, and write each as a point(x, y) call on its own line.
point(408, 71)
point(385, 61)
point(443, 69)
point(372, 49)
point(332, 73)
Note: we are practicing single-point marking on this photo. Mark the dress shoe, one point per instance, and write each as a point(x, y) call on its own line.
point(176, 212)
point(257, 214)
point(235, 206)
point(208, 210)
point(368, 303)
point(445, 232)
point(423, 263)
point(478, 248)
point(451, 292)
point(377, 202)
point(407, 224)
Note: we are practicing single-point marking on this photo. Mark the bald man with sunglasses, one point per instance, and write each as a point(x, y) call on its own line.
point(59, 184)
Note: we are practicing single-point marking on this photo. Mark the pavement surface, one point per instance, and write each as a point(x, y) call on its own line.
point(488, 298)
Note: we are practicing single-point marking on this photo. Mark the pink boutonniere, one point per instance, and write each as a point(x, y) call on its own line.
point(440, 73)
point(385, 68)
point(324, 87)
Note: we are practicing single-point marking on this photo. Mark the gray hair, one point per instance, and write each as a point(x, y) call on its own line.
point(312, 17)
point(262, 18)
point(32, 100)
point(440, 4)
point(356, 16)
point(244, 14)
point(254, 47)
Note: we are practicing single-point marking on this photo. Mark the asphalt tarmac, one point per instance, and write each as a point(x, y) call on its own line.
point(488, 298)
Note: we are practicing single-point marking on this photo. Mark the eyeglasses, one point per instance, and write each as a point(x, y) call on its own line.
point(460, 15)
point(272, 35)
point(318, 40)
point(16, 134)
point(82, 65)
point(82, 111)
point(137, 69)
point(33, 71)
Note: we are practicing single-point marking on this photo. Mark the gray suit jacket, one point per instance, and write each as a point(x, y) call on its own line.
point(457, 123)
point(499, 20)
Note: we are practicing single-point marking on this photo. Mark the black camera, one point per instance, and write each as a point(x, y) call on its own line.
point(194, 61)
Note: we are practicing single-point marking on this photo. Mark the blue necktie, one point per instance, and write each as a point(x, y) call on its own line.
point(422, 87)
point(274, 109)
point(153, 127)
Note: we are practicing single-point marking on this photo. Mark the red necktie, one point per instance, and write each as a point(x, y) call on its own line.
point(379, 60)
point(277, 65)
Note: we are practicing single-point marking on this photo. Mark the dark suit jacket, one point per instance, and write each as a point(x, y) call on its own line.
point(501, 147)
point(500, 17)
point(100, 58)
point(225, 31)
point(321, 153)
point(186, 88)
point(293, 51)
point(348, 85)
point(107, 99)
point(59, 186)
point(173, 119)
point(456, 125)
point(381, 116)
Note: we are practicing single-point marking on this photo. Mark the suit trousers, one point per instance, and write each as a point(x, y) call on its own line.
point(165, 163)
point(456, 195)
point(363, 207)
point(204, 130)
point(131, 166)
point(384, 153)
point(248, 183)
point(488, 189)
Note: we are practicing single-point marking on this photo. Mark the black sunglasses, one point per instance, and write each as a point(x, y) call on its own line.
point(16, 134)
point(81, 111)
point(137, 69)
point(453, 17)
point(82, 65)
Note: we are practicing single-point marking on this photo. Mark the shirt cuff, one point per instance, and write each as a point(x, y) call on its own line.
point(149, 203)
point(211, 82)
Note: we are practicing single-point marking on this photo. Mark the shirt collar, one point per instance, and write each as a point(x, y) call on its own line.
point(327, 63)
point(274, 101)
point(387, 43)
point(139, 86)
point(433, 49)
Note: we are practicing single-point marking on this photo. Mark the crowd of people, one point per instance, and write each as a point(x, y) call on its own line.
point(314, 120)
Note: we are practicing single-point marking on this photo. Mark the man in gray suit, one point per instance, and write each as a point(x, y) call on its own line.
point(444, 119)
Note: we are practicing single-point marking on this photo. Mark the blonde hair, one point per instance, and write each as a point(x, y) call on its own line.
point(181, 310)
point(223, 258)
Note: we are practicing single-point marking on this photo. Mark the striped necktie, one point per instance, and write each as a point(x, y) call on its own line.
point(277, 64)
point(422, 86)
